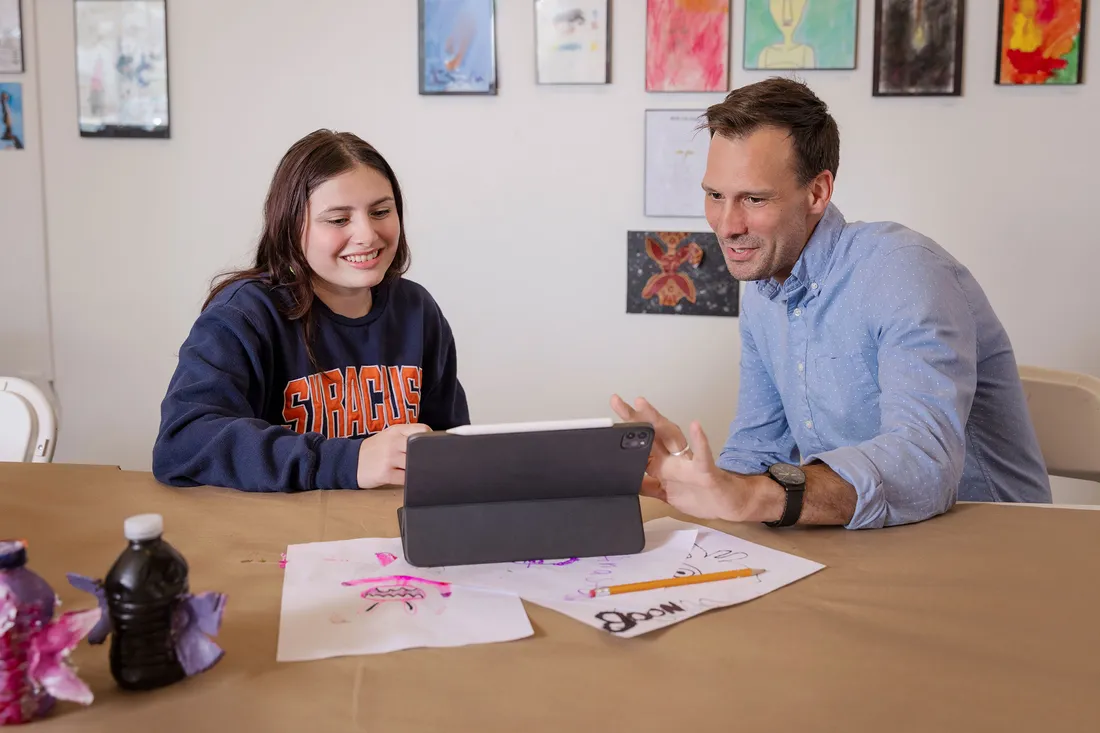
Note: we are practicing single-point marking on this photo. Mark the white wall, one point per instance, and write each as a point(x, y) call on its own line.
point(24, 310)
point(518, 206)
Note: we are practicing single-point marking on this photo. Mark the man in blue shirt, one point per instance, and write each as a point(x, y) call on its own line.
point(877, 384)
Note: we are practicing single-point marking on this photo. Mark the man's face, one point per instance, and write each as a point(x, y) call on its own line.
point(755, 204)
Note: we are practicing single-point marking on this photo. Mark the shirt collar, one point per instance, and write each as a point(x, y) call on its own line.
point(813, 263)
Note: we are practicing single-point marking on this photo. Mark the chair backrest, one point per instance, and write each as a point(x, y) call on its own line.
point(28, 425)
point(1065, 410)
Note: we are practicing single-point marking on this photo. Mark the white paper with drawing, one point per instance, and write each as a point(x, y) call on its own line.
point(570, 579)
point(633, 614)
point(343, 598)
point(675, 161)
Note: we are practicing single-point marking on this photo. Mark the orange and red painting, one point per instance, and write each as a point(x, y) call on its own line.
point(1040, 41)
point(678, 273)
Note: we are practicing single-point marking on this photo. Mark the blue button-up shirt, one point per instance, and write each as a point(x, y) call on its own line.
point(881, 357)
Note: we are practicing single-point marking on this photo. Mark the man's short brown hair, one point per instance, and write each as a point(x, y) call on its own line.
point(787, 105)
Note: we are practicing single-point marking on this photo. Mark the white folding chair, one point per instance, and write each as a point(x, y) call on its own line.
point(28, 425)
point(1065, 410)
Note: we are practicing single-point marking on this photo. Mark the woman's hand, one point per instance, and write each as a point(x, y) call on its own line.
point(382, 456)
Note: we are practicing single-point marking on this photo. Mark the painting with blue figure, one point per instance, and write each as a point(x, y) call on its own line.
point(11, 117)
point(457, 47)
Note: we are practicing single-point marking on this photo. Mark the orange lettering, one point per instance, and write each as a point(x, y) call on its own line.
point(410, 385)
point(395, 401)
point(318, 401)
point(370, 379)
point(334, 403)
point(295, 413)
point(353, 402)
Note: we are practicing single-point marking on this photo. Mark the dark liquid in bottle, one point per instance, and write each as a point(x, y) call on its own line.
point(143, 588)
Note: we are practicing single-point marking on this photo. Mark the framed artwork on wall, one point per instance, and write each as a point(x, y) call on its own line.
point(918, 48)
point(573, 41)
point(458, 47)
point(11, 37)
point(122, 68)
point(687, 45)
point(11, 117)
point(800, 34)
point(680, 274)
point(675, 160)
point(1041, 43)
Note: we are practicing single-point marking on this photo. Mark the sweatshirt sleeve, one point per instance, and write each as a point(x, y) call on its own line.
point(443, 400)
point(210, 433)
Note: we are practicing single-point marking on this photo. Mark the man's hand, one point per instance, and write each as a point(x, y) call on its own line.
point(682, 473)
point(382, 456)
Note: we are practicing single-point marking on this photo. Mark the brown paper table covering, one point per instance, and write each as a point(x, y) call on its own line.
point(984, 619)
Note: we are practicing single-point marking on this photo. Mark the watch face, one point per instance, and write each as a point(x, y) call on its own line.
point(787, 474)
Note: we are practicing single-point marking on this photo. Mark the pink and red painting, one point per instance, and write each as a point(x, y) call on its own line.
point(1041, 42)
point(687, 45)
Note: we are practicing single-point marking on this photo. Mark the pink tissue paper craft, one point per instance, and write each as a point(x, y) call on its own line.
point(34, 653)
point(195, 620)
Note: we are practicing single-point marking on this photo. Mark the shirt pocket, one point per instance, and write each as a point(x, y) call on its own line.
point(843, 391)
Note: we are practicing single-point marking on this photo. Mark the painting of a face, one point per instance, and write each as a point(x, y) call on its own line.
point(787, 13)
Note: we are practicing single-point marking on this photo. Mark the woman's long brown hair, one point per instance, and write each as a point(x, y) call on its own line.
point(280, 259)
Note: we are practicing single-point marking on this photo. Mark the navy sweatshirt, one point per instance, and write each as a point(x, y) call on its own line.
point(247, 410)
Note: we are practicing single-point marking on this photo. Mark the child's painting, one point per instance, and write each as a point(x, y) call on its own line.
point(573, 38)
point(679, 273)
point(675, 161)
point(1040, 42)
point(122, 68)
point(918, 47)
point(687, 45)
point(11, 117)
point(800, 34)
point(11, 37)
point(344, 598)
point(458, 47)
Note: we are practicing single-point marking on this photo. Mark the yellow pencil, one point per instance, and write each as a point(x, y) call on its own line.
point(670, 582)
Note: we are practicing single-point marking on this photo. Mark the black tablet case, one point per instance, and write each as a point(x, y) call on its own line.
point(508, 497)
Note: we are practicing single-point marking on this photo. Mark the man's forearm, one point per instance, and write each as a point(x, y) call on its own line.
point(828, 498)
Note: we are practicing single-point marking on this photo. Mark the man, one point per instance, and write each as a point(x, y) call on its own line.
point(869, 355)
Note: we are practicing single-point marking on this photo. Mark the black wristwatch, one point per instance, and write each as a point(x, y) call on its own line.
point(793, 481)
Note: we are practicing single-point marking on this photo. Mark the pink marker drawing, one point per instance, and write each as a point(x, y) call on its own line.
point(385, 558)
point(404, 589)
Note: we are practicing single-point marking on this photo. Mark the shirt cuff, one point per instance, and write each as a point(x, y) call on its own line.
point(852, 465)
point(734, 464)
point(337, 464)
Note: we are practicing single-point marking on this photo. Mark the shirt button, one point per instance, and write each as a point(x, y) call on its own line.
point(813, 286)
point(810, 424)
point(797, 312)
point(801, 367)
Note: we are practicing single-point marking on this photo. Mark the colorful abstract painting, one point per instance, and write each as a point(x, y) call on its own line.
point(11, 117)
point(573, 38)
point(918, 47)
point(687, 45)
point(1040, 42)
point(678, 273)
point(457, 47)
point(800, 34)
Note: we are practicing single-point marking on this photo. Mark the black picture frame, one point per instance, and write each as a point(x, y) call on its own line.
point(1080, 49)
point(958, 37)
point(156, 128)
point(22, 46)
point(492, 85)
point(608, 20)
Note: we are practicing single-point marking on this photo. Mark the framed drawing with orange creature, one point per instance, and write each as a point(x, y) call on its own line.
point(679, 273)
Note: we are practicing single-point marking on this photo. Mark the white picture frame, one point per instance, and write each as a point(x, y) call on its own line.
point(675, 160)
point(122, 68)
point(11, 37)
point(573, 41)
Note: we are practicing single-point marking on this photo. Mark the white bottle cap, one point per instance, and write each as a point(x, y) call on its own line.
point(143, 527)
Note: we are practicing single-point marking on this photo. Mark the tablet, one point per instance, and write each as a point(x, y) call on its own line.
point(524, 491)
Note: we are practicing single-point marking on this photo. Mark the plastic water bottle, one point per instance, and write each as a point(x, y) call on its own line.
point(34, 600)
point(143, 588)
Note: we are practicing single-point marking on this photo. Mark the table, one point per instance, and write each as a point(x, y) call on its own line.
point(985, 618)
